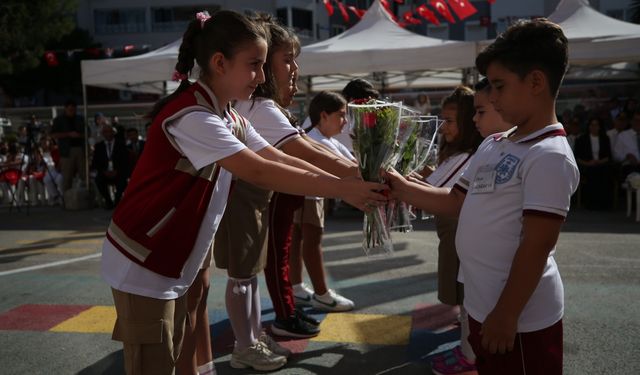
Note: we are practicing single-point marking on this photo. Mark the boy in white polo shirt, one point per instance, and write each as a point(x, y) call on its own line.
point(512, 201)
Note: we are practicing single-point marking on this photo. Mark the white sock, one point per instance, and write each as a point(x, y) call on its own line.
point(256, 309)
point(238, 302)
point(207, 369)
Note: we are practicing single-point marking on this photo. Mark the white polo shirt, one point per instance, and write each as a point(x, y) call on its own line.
point(268, 120)
point(504, 181)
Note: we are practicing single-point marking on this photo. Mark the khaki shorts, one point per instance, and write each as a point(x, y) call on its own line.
point(240, 245)
point(312, 212)
point(151, 332)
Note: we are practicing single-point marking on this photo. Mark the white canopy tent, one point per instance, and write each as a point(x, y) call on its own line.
point(378, 44)
point(594, 38)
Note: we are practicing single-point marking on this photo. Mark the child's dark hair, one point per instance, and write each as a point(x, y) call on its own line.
point(278, 37)
point(482, 85)
point(325, 101)
point(225, 32)
point(528, 45)
point(359, 88)
point(468, 138)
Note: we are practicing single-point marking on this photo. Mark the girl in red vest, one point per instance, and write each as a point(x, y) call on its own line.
point(162, 229)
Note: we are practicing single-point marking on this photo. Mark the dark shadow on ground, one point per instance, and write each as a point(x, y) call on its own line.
point(113, 364)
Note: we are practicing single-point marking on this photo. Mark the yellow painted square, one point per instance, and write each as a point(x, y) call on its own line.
point(97, 319)
point(365, 329)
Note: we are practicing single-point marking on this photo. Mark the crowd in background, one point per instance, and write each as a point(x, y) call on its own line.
point(42, 161)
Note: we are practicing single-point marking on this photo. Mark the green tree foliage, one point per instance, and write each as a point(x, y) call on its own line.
point(27, 27)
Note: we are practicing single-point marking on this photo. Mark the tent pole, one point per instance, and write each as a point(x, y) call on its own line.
point(86, 137)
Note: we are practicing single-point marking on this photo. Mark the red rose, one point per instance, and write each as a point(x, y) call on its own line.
point(370, 120)
point(360, 101)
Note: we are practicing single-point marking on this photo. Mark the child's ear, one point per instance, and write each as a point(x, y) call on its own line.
point(537, 81)
point(217, 63)
point(324, 115)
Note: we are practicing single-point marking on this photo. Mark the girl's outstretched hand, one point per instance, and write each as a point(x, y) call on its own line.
point(396, 181)
point(363, 195)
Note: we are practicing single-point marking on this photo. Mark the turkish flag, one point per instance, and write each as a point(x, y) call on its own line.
point(409, 18)
point(51, 58)
point(443, 9)
point(428, 15)
point(327, 4)
point(356, 11)
point(343, 10)
point(463, 8)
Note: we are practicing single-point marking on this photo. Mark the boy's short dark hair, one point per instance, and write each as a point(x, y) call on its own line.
point(528, 45)
point(483, 84)
point(359, 88)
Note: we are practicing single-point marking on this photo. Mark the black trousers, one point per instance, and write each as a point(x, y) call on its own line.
point(103, 182)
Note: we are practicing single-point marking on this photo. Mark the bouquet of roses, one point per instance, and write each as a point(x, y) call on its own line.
point(374, 129)
point(399, 213)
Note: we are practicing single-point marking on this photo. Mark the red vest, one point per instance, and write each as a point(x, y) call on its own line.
point(158, 219)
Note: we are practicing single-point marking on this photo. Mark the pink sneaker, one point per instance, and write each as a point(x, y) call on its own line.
point(451, 362)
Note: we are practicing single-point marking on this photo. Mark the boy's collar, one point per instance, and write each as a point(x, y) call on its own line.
point(548, 131)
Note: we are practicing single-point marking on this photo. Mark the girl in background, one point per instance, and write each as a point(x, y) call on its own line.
point(327, 112)
point(460, 140)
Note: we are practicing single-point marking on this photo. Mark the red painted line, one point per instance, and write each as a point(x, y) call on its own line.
point(38, 317)
point(432, 317)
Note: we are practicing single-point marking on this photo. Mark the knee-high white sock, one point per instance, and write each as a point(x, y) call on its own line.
point(256, 308)
point(238, 303)
point(464, 336)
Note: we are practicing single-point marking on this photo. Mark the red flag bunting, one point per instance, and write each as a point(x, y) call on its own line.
point(463, 8)
point(491, 1)
point(51, 58)
point(128, 48)
point(443, 9)
point(428, 15)
point(358, 12)
point(385, 3)
point(408, 17)
point(400, 1)
point(328, 6)
point(343, 10)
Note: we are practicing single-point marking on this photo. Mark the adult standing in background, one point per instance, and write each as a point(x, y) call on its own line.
point(69, 133)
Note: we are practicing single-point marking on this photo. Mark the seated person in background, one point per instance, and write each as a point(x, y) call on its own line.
point(135, 145)
point(593, 154)
point(627, 148)
point(620, 124)
point(111, 163)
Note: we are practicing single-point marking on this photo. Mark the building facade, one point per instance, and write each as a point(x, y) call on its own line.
point(154, 23)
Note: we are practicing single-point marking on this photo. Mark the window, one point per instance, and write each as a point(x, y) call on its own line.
point(337, 29)
point(177, 18)
point(282, 16)
point(440, 32)
point(617, 13)
point(473, 31)
point(114, 21)
point(302, 21)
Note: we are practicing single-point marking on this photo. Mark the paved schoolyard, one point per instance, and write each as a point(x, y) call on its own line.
point(56, 314)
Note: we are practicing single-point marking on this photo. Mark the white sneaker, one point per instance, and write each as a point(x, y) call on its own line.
point(273, 345)
point(302, 295)
point(331, 301)
point(258, 357)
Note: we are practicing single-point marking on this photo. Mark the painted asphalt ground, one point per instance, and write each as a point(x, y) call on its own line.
point(56, 313)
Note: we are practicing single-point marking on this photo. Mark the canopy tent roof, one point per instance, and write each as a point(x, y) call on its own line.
point(580, 21)
point(148, 72)
point(377, 44)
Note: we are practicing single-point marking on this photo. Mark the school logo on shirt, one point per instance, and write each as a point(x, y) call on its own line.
point(506, 168)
